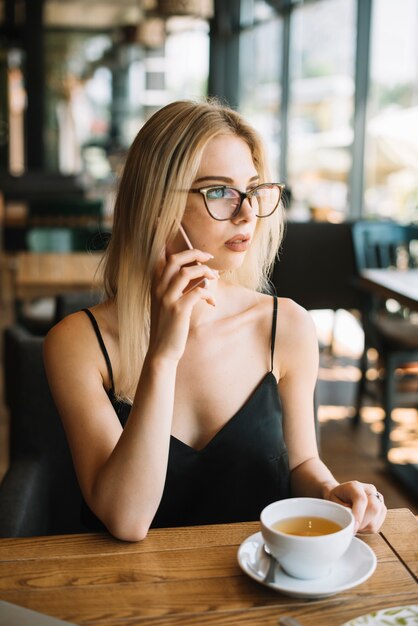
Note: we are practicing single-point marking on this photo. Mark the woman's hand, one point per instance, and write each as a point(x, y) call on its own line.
point(172, 301)
point(366, 502)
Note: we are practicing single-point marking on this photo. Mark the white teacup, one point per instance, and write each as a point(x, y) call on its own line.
point(307, 557)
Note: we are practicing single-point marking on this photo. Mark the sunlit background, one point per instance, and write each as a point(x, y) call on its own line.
point(332, 85)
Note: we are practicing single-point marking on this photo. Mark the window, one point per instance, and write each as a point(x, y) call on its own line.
point(391, 157)
point(168, 71)
point(187, 58)
point(321, 106)
point(78, 99)
point(259, 78)
point(260, 89)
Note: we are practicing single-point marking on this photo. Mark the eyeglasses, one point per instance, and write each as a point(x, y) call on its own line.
point(224, 203)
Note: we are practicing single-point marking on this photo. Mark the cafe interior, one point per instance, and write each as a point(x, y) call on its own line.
point(332, 88)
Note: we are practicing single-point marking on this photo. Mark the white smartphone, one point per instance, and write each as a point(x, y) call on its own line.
point(199, 281)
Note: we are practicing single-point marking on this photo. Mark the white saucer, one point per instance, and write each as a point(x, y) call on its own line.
point(353, 568)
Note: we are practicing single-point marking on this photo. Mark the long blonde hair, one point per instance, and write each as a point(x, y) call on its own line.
point(165, 157)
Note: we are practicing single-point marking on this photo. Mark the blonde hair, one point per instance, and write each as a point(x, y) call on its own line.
point(165, 157)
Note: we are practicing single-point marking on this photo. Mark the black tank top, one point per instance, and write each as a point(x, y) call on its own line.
point(243, 468)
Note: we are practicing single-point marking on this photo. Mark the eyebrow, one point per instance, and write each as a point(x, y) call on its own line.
point(222, 178)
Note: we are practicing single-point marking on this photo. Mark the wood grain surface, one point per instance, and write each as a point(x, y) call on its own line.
point(189, 576)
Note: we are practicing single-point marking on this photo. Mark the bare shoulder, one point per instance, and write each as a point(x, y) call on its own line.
point(296, 337)
point(77, 327)
point(73, 330)
point(72, 346)
point(293, 319)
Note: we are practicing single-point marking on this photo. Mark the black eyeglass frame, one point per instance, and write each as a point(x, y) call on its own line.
point(243, 195)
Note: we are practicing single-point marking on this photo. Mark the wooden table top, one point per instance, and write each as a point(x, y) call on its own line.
point(402, 285)
point(190, 576)
point(44, 274)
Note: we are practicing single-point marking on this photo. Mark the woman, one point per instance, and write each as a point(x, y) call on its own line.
point(169, 389)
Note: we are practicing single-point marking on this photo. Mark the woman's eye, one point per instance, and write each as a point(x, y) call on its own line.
point(216, 193)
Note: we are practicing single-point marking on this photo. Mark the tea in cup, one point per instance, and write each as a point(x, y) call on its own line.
point(307, 535)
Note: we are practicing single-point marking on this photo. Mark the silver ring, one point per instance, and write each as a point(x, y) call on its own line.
point(379, 496)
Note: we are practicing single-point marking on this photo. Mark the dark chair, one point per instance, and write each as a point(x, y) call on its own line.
point(50, 311)
point(316, 265)
point(384, 245)
point(73, 301)
point(39, 494)
point(315, 268)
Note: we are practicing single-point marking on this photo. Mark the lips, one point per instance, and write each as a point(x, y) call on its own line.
point(239, 243)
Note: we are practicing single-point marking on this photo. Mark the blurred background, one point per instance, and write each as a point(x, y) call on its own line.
point(332, 86)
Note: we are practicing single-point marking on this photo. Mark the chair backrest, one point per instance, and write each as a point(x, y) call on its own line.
point(316, 266)
point(36, 433)
point(71, 302)
point(379, 244)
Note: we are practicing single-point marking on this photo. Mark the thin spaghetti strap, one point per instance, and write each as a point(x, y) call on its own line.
point(273, 330)
point(102, 346)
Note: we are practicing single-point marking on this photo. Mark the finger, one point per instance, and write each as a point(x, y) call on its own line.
point(199, 293)
point(375, 521)
point(359, 508)
point(195, 276)
point(375, 505)
point(352, 494)
point(189, 256)
point(375, 513)
point(179, 284)
point(199, 282)
point(183, 306)
point(175, 262)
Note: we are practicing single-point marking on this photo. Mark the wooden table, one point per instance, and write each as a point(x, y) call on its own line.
point(39, 275)
point(190, 576)
point(402, 285)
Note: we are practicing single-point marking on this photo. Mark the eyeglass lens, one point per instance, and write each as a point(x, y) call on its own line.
point(224, 202)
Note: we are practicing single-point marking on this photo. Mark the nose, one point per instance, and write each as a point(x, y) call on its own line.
point(246, 212)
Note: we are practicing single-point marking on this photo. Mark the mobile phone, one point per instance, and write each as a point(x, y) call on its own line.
point(198, 281)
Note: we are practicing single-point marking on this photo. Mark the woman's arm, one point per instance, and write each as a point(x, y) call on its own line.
point(122, 471)
point(297, 347)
